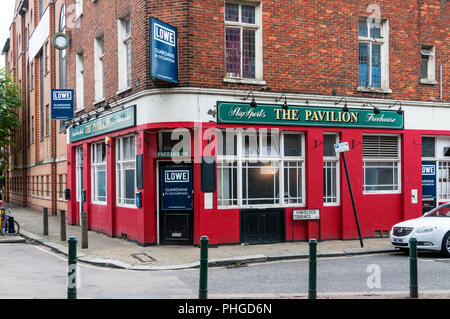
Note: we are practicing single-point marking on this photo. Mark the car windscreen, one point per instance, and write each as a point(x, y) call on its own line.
point(441, 211)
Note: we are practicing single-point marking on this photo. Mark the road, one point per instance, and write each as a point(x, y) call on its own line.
point(31, 271)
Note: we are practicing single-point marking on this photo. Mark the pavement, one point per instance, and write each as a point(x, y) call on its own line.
point(118, 253)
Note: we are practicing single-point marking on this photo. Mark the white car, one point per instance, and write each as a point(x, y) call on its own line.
point(432, 231)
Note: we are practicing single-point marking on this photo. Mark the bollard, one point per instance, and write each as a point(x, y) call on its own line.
point(84, 230)
point(203, 287)
point(312, 290)
point(72, 269)
point(413, 286)
point(63, 225)
point(45, 221)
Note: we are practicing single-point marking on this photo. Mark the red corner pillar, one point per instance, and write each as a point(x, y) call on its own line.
point(411, 174)
point(111, 187)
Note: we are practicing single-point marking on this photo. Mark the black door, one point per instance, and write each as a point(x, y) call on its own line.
point(176, 204)
point(262, 226)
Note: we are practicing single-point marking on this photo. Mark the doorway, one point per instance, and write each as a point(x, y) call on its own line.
point(79, 180)
point(176, 205)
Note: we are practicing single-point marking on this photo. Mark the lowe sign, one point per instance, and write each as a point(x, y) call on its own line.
point(163, 55)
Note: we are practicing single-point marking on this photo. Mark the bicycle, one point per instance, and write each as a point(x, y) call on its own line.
point(8, 228)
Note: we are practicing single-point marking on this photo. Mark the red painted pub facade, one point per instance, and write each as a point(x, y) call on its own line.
point(240, 145)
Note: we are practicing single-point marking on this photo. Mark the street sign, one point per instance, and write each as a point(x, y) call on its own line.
point(306, 214)
point(341, 147)
point(62, 104)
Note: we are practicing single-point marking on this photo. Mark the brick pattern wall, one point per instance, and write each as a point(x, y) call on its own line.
point(308, 46)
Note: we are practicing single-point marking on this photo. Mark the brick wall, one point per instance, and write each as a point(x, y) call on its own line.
point(308, 46)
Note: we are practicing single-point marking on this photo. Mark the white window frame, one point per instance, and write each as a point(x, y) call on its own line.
point(335, 160)
point(384, 56)
point(258, 43)
point(120, 162)
point(94, 170)
point(124, 54)
point(79, 65)
point(430, 51)
point(99, 68)
point(279, 161)
point(78, 9)
point(397, 160)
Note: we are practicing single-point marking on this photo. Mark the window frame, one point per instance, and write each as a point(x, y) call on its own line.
point(431, 64)
point(257, 27)
point(120, 162)
point(336, 161)
point(397, 160)
point(94, 171)
point(383, 41)
point(99, 68)
point(241, 159)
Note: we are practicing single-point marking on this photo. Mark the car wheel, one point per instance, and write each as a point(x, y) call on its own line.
point(446, 245)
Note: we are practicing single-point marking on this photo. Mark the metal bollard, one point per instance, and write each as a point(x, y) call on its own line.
point(84, 230)
point(203, 287)
point(72, 269)
point(63, 225)
point(413, 283)
point(45, 221)
point(312, 290)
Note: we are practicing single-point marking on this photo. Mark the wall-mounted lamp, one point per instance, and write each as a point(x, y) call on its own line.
point(107, 106)
point(400, 110)
point(80, 121)
point(97, 114)
point(253, 102)
point(88, 117)
point(376, 110)
point(285, 105)
point(345, 107)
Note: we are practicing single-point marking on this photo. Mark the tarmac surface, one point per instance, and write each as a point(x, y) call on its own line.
point(114, 252)
point(123, 254)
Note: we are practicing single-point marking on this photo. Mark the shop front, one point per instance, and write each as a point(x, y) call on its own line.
point(254, 175)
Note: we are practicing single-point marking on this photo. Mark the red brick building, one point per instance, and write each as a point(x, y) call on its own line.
point(288, 80)
point(37, 174)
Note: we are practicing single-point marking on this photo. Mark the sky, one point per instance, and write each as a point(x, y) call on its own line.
point(6, 18)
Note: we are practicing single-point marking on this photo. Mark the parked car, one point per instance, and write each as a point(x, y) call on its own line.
point(431, 230)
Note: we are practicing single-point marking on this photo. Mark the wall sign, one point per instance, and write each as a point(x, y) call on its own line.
point(62, 104)
point(428, 180)
point(109, 123)
point(176, 188)
point(163, 55)
point(306, 214)
point(243, 113)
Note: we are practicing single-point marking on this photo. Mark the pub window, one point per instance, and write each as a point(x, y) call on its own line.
point(330, 170)
point(98, 165)
point(443, 168)
point(381, 163)
point(259, 167)
point(126, 170)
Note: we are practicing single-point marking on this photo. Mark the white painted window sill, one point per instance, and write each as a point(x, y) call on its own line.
point(244, 81)
point(123, 90)
point(428, 81)
point(99, 101)
point(373, 90)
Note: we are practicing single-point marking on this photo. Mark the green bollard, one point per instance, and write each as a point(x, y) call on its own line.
point(312, 290)
point(203, 288)
point(413, 286)
point(72, 269)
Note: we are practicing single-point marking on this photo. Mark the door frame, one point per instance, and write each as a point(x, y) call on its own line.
point(78, 179)
point(158, 203)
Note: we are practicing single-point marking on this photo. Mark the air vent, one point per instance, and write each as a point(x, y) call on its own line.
point(375, 146)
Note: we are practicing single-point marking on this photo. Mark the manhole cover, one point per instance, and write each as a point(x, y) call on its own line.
point(143, 257)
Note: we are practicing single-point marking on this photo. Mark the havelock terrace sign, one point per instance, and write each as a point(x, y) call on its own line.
point(242, 113)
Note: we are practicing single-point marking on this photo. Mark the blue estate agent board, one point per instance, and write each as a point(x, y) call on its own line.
point(62, 104)
point(176, 188)
point(164, 47)
point(428, 180)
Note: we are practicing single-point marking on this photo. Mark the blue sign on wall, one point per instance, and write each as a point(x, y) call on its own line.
point(62, 104)
point(163, 55)
point(176, 188)
point(428, 180)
